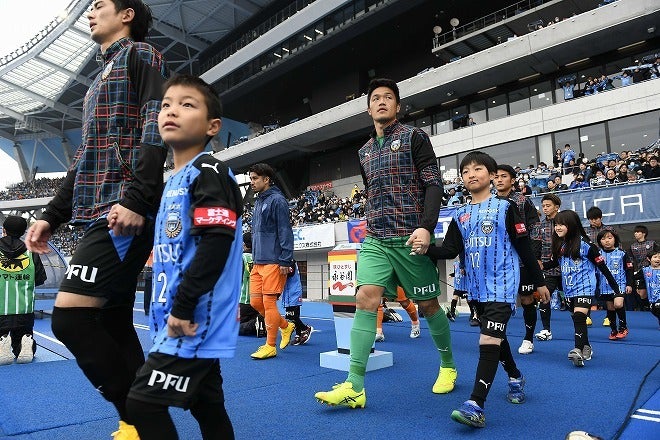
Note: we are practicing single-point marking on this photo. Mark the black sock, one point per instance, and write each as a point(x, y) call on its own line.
point(213, 421)
point(489, 356)
point(611, 315)
point(293, 315)
point(98, 355)
point(452, 308)
point(118, 322)
point(506, 359)
point(621, 313)
point(580, 325)
point(546, 311)
point(473, 309)
point(529, 316)
point(645, 304)
point(152, 420)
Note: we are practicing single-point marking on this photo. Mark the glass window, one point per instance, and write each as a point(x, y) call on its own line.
point(519, 153)
point(541, 95)
point(570, 137)
point(593, 141)
point(497, 107)
point(424, 124)
point(459, 117)
point(441, 123)
point(519, 101)
point(634, 132)
point(478, 112)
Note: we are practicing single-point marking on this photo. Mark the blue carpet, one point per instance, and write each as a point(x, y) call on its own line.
point(273, 399)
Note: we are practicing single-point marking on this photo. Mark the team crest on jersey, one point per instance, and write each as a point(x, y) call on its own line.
point(173, 225)
point(107, 70)
point(395, 145)
point(487, 226)
point(15, 264)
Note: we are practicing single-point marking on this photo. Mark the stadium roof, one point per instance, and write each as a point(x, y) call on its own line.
point(43, 82)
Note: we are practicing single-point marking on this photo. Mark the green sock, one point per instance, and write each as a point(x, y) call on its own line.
point(439, 329)
point(363, 334)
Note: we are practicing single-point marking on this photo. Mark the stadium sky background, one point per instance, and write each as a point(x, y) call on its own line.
point(21, 20)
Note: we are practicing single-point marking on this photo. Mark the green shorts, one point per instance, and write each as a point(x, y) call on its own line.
point(388, 263)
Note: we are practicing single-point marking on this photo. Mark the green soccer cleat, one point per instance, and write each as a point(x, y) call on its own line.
point(343, 394)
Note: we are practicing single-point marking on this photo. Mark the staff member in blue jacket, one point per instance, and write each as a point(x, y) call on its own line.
point(272, 252)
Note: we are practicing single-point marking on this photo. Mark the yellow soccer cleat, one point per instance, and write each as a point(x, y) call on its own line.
point(264, 352)
point(125, 432)
point(343, 394)
point(286, 335)
point(445, 382)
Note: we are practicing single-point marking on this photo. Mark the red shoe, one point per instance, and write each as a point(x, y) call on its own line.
point(622, 333)
point(613, 335)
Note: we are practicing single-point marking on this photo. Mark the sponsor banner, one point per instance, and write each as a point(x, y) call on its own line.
point(342, 277)
point(621, 204)
point(314, 237)
point(321, 186)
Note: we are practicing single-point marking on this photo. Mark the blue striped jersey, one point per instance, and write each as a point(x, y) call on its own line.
point(618, 263)
point(460, 281)
point(652, 280)
point(184, 212)
point(578, 277)
point(492, 268)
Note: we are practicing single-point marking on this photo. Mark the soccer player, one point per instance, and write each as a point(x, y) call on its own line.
point(650, 276)
point(578, 258)
point(595, 217)
point(460, 291)
point(550, 205)
point(504, 180)
point(408, 306)
point(395, 158)
point(639, 250)
point(272, 252)
point(292, 301)
point(252, 323)
point(113, 188)
point(493, 237)
point(621, 266)
point(197, 271)
point(20, 271)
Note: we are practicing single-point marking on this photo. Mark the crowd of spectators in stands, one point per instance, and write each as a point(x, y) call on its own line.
point(642, 71)
point(42, 187)
point(603, 170)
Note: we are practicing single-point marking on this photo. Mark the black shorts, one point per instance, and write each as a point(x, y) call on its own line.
point(580, 301)
point(107, 266)
point(526, 286)
point(173, 381)
point(609, 296)
point(553, 283)
point(494, 317)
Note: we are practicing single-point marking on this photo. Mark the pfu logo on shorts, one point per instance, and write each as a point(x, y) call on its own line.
point(85, 273)
point(487, 226)
point(166, 380)
point(173, 225)
point(422, 291)
point(497, 326)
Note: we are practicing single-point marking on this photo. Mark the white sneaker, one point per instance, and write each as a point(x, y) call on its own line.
point(26, 355)
point(415, 331)
point(380, 337)
point(526, 347)
point(544, 335)
point(6, 355)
